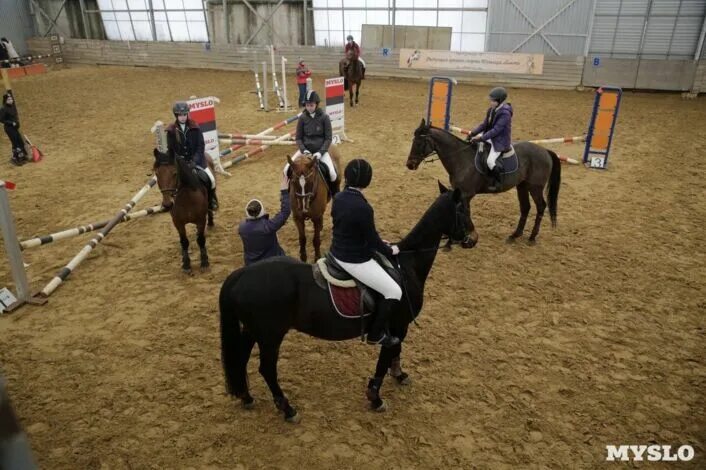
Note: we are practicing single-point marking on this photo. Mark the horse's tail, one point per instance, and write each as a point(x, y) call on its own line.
point(231, 338)
point(553, 189)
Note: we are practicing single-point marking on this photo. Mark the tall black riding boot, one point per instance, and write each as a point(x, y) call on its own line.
point(497, 172)
point(378, 331)
point(212, 200)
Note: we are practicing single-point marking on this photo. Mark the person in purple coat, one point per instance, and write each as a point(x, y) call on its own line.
point(497, 130)
point(259, 232)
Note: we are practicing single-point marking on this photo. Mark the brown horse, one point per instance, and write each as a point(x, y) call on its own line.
point(537, 167)
point(309, 195)
point(186, 197)
point(351, 69)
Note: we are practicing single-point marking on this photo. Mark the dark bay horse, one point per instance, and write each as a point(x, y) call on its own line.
point(273, 296)
point(309, 195)
point(537, 166)
point(351, 69)
point(187, 200)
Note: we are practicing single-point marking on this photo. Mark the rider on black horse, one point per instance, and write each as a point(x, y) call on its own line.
point(185, 139)
point(354, 241)
point(497, 130)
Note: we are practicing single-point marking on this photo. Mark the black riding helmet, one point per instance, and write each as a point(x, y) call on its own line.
point(358, 173)
point(498, 94)
point(180, 107)
point(312, 97)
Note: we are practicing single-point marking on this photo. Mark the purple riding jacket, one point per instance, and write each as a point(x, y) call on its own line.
point(498, 129)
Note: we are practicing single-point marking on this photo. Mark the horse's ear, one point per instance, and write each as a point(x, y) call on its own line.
point(442, 189)
point(456, 195)
point(422, 124)
point(289, 160)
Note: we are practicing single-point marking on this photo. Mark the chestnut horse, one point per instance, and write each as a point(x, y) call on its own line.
point(309, 195)
point(187, 200)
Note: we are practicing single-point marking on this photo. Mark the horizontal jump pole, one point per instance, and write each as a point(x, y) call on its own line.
point(247, 136)
point(270, 130)
point(83, 254)
point(258, 142)
point(80, 230)
point(260, 149)
point(558, 140)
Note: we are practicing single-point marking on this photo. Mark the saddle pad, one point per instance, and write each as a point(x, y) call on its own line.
point(323, 269)
point(509, 161)
point(346, 301)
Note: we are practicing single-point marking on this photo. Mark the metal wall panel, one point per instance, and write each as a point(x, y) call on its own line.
point(508, 27)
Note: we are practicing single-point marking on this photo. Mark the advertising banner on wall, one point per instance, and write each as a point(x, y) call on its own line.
point(490, 62)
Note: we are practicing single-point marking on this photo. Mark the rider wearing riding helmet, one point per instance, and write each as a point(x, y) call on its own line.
point(10, 119)
point(185, 139)
point(496, 129)
point(355, 239)
point(352, 45)
point(314, 136)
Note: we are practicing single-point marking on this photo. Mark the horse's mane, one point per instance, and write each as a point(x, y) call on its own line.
point(462, 140)
point(187, 174)
point(431, 220)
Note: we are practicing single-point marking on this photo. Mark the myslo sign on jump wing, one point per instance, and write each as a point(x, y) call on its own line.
point(490, 62)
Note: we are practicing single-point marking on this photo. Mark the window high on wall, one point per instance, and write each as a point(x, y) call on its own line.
point(174, 20)
point(335, 19)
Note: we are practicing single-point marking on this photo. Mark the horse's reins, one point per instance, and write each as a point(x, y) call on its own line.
point(422, 250)
point(430, 156)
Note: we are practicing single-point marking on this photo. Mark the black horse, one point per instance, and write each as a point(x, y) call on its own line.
point(271, 297)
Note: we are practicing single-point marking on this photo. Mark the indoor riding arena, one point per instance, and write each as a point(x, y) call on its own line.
point(584, 349)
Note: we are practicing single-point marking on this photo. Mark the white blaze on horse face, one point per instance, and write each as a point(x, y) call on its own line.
point(302, 183)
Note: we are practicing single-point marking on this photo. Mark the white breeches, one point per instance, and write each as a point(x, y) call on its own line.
point(492, 155)
point(372, 275)
point(208, 171)
point(325, 158)
point(360, 59)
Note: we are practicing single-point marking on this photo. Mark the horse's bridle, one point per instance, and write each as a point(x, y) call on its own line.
point(173, 191)
point(429, 150)
point(305, 197)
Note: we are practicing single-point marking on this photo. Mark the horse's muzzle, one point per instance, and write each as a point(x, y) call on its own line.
point(412, 165)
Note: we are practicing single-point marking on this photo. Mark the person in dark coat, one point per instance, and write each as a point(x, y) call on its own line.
point(259, 233)
point(314, 136)
point(355, 239)
point(497, 130)
point(10, 119)
point(185, 139)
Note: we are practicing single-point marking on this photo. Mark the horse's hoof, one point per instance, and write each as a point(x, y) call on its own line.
point(294, 419)
point(187, 271)
point(468, 244)
point(205, 269)
point(446, 248)
point(378, 406)
point(531, 242)
point(248, 405)
point(511, 239)
point(402, 379)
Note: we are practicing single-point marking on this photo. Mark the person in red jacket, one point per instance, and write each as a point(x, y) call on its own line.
point(352, 45)
point(303, 73)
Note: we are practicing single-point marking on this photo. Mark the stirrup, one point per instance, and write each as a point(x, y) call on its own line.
point(386, 341)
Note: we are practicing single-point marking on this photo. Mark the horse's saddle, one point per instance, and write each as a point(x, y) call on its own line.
point(509, 161)
point(350, 298)
point(203, 177)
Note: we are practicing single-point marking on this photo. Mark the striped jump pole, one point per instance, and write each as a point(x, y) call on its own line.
point(260, 149)
point(83, 254)
point(80, 230)
point(558, 140)
point(270, 130)
point(259, 142)
point(247, 136)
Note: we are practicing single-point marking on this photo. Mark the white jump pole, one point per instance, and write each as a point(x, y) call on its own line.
point(275, 85)
point(259, 90)
point(284, 85)
point(264, 80)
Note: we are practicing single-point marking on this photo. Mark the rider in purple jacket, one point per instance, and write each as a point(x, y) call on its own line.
point(259, 232)
point(497, 130)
